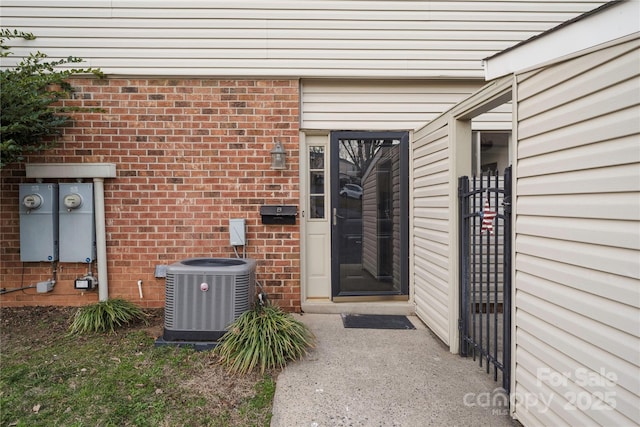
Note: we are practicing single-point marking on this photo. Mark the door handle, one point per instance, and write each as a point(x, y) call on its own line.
point(336, 216)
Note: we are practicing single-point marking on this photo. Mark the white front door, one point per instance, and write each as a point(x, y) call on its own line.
point(315, 217)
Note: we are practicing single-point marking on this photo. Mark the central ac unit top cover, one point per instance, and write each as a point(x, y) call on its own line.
point(217, 265)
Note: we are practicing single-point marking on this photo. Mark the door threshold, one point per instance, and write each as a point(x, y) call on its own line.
point(406, 308)
point(370, 298)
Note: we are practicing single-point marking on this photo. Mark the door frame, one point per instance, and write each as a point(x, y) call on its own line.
point(333, 194)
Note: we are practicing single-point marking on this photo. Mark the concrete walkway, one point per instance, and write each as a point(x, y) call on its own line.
point(366, 377)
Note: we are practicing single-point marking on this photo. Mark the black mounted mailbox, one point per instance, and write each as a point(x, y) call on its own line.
point(277, 214)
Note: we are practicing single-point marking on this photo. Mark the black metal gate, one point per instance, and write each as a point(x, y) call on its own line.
point(485, 271)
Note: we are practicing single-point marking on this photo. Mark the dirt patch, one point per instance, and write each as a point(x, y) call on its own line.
point(33, 324)
point(44, 324)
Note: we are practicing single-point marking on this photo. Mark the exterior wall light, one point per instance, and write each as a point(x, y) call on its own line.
point(278, 157)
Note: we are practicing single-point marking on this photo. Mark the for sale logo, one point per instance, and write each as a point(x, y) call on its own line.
point(581, 389)
point(602, 383)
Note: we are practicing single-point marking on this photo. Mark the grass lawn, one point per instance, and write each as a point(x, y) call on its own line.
point(48, 378)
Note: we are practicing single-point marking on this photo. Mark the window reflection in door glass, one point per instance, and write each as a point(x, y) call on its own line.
point(316, 158)
point(368, 216)
point(316, 182)
point(316, 207)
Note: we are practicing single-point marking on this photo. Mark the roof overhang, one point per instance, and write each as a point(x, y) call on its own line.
point(611, 21)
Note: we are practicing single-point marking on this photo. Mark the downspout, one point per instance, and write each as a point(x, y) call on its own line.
point(101, 241)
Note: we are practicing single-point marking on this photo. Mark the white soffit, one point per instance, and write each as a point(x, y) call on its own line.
point(589, 30)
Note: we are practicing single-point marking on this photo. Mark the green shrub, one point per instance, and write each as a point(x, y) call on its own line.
point(264, 337)
point(32, 115)
point(105, 316)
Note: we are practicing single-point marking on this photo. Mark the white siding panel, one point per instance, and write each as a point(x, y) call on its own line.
point(431, 229)
point(313, 38)
point(432, 288)
point(538, 364)
point(622, 234)
point(431, 169)
point(613, 322)
point(534, 411)
point(613, 152)
point(621, 178)
point(432, 239)
point(577, 269)
point(617, 343)
point(429, 153)
point(610, 126)
point(231, 22)
point(591, 358)
point(616, 206)
point(317, 6)
point(429, 251)
point(432, 291)
point(377, 104)
point(496, 120)
point(586, 79)
point(620, 289)
point(388, 105)
point(432, 191)
point(606, 258)
point(623, 95)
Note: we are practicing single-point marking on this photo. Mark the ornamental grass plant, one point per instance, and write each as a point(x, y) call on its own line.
point(105, 316)
point(264, 337)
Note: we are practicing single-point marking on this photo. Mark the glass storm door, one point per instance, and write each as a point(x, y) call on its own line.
point(369, 214)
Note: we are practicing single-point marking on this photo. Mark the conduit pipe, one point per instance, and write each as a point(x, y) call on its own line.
point(98, 172)
point(101, 238)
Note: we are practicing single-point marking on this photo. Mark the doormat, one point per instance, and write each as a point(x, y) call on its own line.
point(376, 321)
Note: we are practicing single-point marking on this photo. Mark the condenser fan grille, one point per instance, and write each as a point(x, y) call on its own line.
point(169, 303)
point(243, 300)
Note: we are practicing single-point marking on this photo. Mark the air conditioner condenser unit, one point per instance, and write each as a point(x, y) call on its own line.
point(204, 295)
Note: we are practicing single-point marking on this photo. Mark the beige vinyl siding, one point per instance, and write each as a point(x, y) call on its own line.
point(370, 243)
point(434, 210)
point(431, 238)
point(313, 38)
point(379, 104)
point(398, 220)
point(577, 245)
point(498, 119)
point(382, 229)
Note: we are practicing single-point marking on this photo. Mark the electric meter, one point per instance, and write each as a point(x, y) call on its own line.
point(72, 201)
point(32, 201)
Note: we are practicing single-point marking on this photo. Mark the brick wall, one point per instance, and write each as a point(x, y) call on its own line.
point(190, 155)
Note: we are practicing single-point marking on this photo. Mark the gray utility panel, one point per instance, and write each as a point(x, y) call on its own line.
point(237, 232)
point(77, 225)
point(38, 222)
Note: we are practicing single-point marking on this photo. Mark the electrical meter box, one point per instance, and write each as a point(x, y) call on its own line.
point(77, 224)
point(38, 222)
